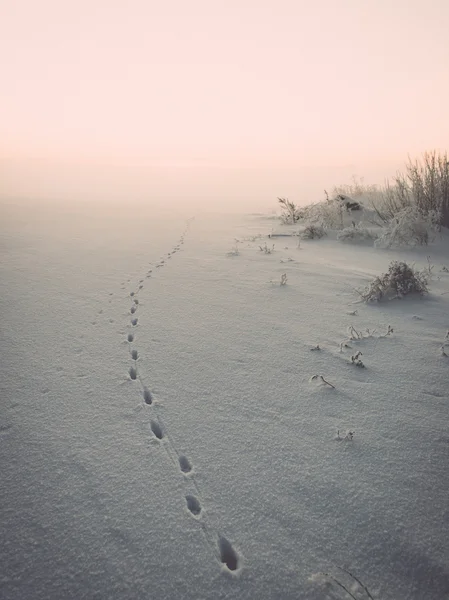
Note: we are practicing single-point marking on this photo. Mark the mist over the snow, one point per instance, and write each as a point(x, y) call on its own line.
point(193, 187)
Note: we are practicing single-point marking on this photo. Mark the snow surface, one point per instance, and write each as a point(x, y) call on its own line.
point(129, 475)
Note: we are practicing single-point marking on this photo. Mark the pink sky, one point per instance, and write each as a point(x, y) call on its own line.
point(267, 84)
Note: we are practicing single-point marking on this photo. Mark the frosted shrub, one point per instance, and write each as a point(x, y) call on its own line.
point(399, 281)
point(290, 212)
point(328, 214)
point(312, 232)
point(356, 234)
point(409, 228)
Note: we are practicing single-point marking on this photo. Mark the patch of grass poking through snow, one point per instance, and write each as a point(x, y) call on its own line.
point(400, 280)
point(355, 359)
point(319, 379)
point(356, 336)
point(266, 250)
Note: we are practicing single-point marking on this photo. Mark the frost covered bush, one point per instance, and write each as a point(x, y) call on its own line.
point(290, 212)
point(328, 214)
point(312, 231)
point(356, 234)
point(424, 186)
point(400, 280)
point(410, 227)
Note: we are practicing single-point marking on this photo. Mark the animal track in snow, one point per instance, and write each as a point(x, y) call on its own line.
point(156, 429)
point(219, 545)
point(147, 396)
point(193, 505)
point(184, 464)
point(228, 555)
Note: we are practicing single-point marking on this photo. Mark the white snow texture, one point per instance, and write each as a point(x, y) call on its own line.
point(161, 432)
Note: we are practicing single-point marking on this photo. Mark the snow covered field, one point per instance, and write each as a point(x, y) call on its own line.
point(160, 434)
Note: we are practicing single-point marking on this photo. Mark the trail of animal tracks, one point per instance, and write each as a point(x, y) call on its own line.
point(163, 433)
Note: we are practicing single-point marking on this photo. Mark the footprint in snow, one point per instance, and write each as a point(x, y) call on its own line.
point(133, 309)
point(130, 337)
point(147, 396)
point(228, 555)
point(184, 464)
point(134, 322)
point(136, 301)
point(193, 505)
point(156, 429)
point(134, 354)
point(133, 373)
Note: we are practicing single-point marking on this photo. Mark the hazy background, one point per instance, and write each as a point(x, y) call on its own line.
point(216, 101)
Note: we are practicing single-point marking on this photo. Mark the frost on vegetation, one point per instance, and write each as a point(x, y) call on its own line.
point(400, 280)
point(409, 227)
point(354, 336)
point(312, 231)
point(355, 359)
point(356, 234)
point(266, 250)
point(290, 212)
